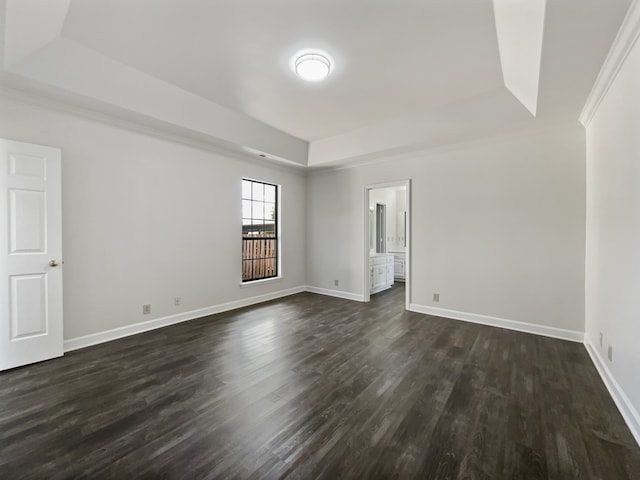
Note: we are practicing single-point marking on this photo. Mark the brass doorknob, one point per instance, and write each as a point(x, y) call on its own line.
point(53, 263)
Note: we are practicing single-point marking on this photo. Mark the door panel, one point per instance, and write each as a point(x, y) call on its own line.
point(31, 238)
point(27, 213)
point(28, 165)
point(28, 305)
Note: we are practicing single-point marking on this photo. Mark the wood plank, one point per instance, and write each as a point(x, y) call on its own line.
point(316, 387)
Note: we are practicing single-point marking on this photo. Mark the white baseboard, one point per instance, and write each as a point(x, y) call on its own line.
point(336, 293)
point(571, 335)
point(629, 413)
point(627, 410)
point(114, 334)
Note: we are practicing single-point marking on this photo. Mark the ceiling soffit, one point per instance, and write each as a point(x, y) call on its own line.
point(520, 28)
point(530, 68)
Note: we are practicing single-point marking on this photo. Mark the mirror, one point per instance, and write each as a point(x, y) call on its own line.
point(381, 230)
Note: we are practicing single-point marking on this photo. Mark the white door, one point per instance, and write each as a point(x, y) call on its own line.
point(30, 254)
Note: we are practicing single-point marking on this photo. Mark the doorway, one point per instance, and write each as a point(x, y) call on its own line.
point(387, 238)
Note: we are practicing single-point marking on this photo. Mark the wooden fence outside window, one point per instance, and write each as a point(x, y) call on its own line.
point(259, 258)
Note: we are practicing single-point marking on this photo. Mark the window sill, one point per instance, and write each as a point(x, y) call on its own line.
point(263, 281)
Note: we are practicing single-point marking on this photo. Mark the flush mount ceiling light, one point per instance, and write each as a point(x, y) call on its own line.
point(312, 65)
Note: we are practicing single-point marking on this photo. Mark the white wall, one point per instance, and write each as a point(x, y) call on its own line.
point(613, 231)
point(146, 220)
point(498, 226)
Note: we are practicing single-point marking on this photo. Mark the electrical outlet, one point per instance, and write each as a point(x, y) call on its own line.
point(177, 301)
point(601, 339)
point(436, 297)
point(146, 309)
point(610, 353)
point(336, 283)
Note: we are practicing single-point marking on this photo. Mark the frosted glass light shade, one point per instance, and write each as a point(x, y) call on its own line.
point(312, 67)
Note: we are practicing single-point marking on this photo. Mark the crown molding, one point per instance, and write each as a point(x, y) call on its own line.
point(457, 146)
point(622, 45)
point(164, 133)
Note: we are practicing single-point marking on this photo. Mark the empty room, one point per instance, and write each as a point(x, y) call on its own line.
point(319, 239)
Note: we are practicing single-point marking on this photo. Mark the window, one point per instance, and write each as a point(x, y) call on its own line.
point(259, 230)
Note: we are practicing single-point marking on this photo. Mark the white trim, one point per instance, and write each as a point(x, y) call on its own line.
point(622, 45)
point(279, 277)
point(408, 250)
point(366, 297)
point(162, 132)
point(628, 412)
point(366, 160)
point(114, 334)
point(366, 288)
point(561, 333)
point(262, 281)
point(336, 293)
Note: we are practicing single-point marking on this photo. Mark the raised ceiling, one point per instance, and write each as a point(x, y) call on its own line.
point(391, 59)
point(409, 74)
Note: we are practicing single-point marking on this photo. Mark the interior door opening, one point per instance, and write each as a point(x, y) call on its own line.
point(387, 238)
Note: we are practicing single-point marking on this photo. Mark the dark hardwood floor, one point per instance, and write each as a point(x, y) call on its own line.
point(316, 387)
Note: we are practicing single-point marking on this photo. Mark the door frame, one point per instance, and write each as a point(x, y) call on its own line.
point(407, 271)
